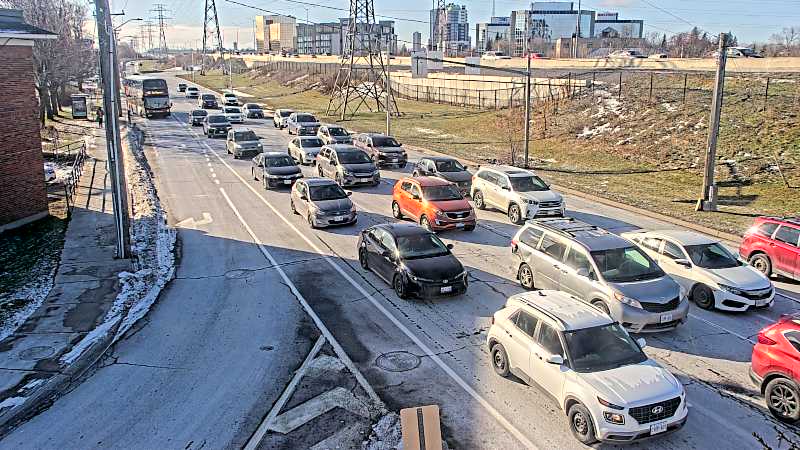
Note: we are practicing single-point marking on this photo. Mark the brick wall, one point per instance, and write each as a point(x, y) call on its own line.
point(22, 188)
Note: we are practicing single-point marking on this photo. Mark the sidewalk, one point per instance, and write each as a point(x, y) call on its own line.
point(42, 356)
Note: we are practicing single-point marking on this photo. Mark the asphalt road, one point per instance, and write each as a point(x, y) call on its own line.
point(196, 371)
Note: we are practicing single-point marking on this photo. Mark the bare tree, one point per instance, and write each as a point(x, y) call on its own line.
point(787, 42)
point(511, 123)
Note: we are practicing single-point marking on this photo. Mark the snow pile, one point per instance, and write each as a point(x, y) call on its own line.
point(34, 294)
point(589, 133)
point(607, 103)
point(669, 107)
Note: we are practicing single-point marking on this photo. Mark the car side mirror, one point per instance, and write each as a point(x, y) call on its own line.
point(303, 197)
point(386, 254)
point(684, 262)
point(583, 271)
point(505, 188)
point(642, 343)
point(349, 193)
point(416, 196)
point(555, 359)
point(449, 246)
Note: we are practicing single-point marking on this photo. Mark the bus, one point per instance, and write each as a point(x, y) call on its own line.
point(147, 96)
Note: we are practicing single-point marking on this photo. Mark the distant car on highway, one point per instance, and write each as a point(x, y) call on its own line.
point(517, 192)
point(602, 269)
point(280, 116)
point(383, 149)
point(197, 116)
point(334, 134)
point(275, 169)
point(658, 56)
point(537, 56)
point(772, 245)
point(597, 373)
point(436, 204)
point(234, 114)
point(230, 99)
point(413, 260)
point(208, 101)
point(216, 125)
point(181, 87)
point(253, 111)
point(304, 149)
point(626, 54)
point(713, 277)
point(775, 367)
point(446, 168)
point(493, 54)
point(302, 124)
point(243, 142)
point(741, 52)
point(347, 165)
point(192, 92)
point(323, 203)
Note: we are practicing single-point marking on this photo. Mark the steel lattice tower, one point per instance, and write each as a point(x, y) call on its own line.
point(159, 9)
point(210, 31)
point(361, 80)
point(441, 26)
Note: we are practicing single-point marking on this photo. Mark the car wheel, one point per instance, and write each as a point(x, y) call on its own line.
point(319, 169)
point(253, 171)
point(500, 360)
point(581, 425)
point(478, 199)
point(425, 223)
point(291, 205)
point(762, 263)
point(515, 215)
point(400, 287)
point(601, 305)
point(339, 179)
point(311, 222)
point(469, 228)
point(525, 276)
point(265, 182)
point(396, 213)
point(783, 399)
point(703, 296)
point(362, 259)
point(403, 166)
point(415, 174)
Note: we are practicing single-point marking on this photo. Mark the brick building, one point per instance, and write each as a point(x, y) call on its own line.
point(23, 195)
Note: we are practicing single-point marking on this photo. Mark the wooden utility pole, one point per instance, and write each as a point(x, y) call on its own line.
point(708, 200)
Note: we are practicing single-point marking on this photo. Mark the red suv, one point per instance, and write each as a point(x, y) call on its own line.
point(775, 366)
point(435, 203)
point(771, 246)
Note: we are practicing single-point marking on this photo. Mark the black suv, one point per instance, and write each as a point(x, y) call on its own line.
point(208, 101)
point(216, 125)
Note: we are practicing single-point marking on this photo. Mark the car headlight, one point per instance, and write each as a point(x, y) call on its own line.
point(530, 202)
point(347, 173)
point(440, 214)
point(353, 209)
point(608, 404)
point(731, 289)
point(259, 145)
point(627, 300)
point(269, 175)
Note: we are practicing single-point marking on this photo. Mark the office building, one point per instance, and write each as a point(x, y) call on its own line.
point(609, 25)
point(276, 33)
point(383, 36)
point(455, 36)
point(492, 35)
point(319, 39)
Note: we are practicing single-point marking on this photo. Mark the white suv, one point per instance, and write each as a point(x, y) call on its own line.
point(517, 192)
point(610, 390)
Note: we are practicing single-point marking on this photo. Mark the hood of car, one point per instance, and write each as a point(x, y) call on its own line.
point(657, 290)
point(456, 177)
point(445, 267)
point(287, 170)
point(742, 277)
point(389, 149)
point(541, 196)
point(342, 139)
point(634, 385)
point(249, 144)
point(360, 168)
point(334, 205)
point(451, 205)
point(308, 124)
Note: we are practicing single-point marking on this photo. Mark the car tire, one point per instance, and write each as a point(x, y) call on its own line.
point(703, 296)
point(415, 174)
point(762, 263)
point(362, 259)
point(469, 228)
point(515, 214)
point(291, 206)
point(311, 222)
point(425, 223)
point(319, 169)
point(601, 305)
point(396, 213)
point(339, 180)
point(478, 199)
point(783, 399)
point(525, 277)
point(253, 172)
point(265, 183)
point(500, 360)
point(400, 287)
point(581, 424)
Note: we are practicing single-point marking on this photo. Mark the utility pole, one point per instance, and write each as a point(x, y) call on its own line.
point(577, 32)
point(388, 90)
point(708, 200)
point(527, 102)
point(115, 163)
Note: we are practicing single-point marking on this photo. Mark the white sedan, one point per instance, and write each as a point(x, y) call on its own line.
point(304, 149)
point(710, 273)
point(234, 114)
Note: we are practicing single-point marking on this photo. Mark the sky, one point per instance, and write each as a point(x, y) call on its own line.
point(750, 20)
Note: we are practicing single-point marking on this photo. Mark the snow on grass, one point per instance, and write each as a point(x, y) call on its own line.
point(589, 133)
point(669, 107)
point(431, 132)
point(34, 294)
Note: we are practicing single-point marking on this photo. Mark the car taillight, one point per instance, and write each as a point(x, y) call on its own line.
point(492, 320)
point(514, 245)
point(764, 340)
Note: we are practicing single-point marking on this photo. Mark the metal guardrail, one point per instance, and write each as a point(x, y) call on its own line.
point(66, 150)
point(71, 184)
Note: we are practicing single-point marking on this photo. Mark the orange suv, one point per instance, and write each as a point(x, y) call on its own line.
point(435, 203)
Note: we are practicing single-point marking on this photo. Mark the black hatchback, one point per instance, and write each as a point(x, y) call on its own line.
point(412, 259)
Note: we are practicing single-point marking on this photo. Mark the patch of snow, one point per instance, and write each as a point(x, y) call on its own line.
point(33, 383)
point(90, 338)
point(589, 133)
point(431, 132)
point(34, 293)
point(12, 402)
point(298, 79)
point(782, 81)
point(241, 94)
point(669, 107)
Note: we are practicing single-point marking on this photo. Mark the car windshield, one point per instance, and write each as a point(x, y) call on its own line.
point(208, 97)
point(200, 112)
point(311, 142)
point(421, 246)
point(232, 111)
point(305, 118)
point(528, 184)
point(252, 106)
point(278, 161)
point(624, 265)
point(191, 88)
point(336, 131)
point(385, 142)
point(711, 256)
point(353, 158)
point(326, 192)
point(248, 135)
point(285, 113)
point(217, 119)
point(228, 95)
point(449, 165)
point(602, 348)
point(441, 193)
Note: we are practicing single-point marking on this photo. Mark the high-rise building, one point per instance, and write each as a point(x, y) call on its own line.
point(383, 36)
point(492, 35)
point(456, 28)
point(262, 34)
point(276, 33)
point(319, 39)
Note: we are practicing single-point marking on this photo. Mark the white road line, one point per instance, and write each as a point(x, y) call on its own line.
point(720, 327)
point(428, 351)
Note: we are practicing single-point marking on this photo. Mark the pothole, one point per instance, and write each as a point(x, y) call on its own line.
point(400, 361)
point(36, 353)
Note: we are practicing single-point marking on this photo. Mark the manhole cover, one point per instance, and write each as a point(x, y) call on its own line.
point(398, 361)
point(36, 353)
point(238, 274)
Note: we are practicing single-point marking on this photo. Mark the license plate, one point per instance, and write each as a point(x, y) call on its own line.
point(446, 289)
point(338, 218)
point(365, 180)
point(666, 318)
point(762, 302)
point(658, 427)
point(459, 225)
point(287, 181)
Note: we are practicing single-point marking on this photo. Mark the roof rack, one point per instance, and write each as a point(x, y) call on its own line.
point(566, 226)
point(542, 310)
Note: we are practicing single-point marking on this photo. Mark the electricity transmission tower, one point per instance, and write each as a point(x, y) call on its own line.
point(441, 26)
point(362, 77)
point(159, 10)
point(210, 31)
point(146, 31)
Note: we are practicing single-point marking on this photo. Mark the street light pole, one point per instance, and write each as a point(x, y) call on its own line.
point(527, 102)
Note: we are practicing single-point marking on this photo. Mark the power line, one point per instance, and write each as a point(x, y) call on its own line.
point(210, 15)
point(668, 12)
point(160, 10)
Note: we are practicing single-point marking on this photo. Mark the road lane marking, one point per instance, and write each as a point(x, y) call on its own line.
point(720, 327)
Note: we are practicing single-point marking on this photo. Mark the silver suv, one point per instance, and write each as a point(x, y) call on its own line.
point(243, 142)
point(600, 268)
point(517, 192)
point(347, 165)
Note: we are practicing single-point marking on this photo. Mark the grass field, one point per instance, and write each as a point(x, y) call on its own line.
point(599, 132)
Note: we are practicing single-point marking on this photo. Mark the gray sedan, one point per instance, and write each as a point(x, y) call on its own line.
point(323, 203)
point(275, 169)
point(304, 149)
